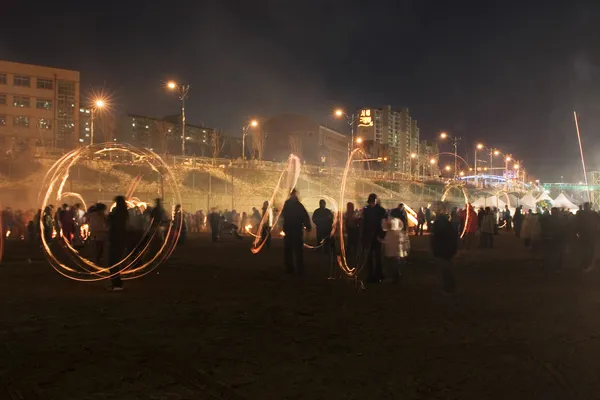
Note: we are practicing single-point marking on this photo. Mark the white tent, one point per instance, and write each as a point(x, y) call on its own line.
point(494, 201)
point(480, 202)
point(562, 202)
point(544, 196)
point(514, 200)
point(528, 201)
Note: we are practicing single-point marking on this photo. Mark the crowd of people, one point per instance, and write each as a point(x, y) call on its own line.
point(376, 240)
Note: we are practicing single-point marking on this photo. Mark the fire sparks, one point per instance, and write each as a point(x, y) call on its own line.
point(8, 233)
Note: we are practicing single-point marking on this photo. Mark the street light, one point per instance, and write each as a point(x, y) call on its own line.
point(455, 140)
point(182, 90)
point(506, 160)
point(359, 140)
point(97, 104)
point(253, 124)
point(478, 147)
point(339, 113)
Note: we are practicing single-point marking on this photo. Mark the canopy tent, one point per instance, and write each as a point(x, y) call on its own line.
point(544, 196)
point(480, 202)
point(563, 202)
point(513, 200)
point(492, 201)
point(528, 201)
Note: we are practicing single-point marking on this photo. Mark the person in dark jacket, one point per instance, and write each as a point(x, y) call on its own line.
point(214, 221)
point(372, 234)
point(444, 246)
point(117, 240)
point(295, 220)
point(518, 221)
point(586, 227)
point(323, 220)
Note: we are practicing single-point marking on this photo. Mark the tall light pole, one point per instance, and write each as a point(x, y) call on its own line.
point(97, 104)
point(412, 157)
point(478, 147)
point(506, 160)
point(455, 140)
point(339, 113)
point(253, 124)
point(182, 90)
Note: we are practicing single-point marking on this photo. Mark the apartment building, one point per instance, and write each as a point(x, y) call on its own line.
point(393, 128)
point(39, 106)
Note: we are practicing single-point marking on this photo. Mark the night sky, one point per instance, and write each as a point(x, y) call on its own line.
point(507, 73)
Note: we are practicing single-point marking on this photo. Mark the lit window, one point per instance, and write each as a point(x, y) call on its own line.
point(87, 135)
point(20, 80)
point(20, 101)
point(81, 110)
point(2, 120)
point(146, 126)
point(87, 111)
point(44, 83)
point(45, 124)
point(2, 79)
point(21, 121)
point(81, 140)
point(87, 129)
point(133, 124)
point(43, 104)
point(3, 99)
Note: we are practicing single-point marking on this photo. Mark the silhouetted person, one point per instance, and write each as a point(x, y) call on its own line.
point(372, 234)
point(117, 239)
point(586, 227)
point(444, 245)
point(295, 219)
point(323, 220)
point(420, 221)
point(351, 223)
point(179, 221)
point(214, 221)
point(518, 221)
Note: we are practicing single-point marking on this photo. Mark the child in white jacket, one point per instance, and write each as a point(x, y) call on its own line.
point(396, 246)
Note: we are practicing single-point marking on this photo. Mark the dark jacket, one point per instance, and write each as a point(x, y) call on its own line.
point(444, 239)
point(371, 224)
point(323, 219)
point(295, 218)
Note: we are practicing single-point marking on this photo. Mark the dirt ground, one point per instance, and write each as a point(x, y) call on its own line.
point(217, 322)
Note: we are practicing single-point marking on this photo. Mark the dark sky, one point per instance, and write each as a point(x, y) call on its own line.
point(508, 73)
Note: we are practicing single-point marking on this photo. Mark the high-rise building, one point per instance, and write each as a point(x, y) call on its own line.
point(38, 105)
point(394, 129)
point(85, 115)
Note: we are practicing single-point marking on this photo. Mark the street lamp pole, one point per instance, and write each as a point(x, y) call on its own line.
point(98, 103)
point(92, 125)
point(245, 129)
point(183, 94)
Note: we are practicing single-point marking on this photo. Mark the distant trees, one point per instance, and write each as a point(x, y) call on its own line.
point(258, 143)
point(217, 144)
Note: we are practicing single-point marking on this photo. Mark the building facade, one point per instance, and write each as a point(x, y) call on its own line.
point(162, 135)
point(394, 129)
point(429, 154)
point(39, 106)
point(312, 142)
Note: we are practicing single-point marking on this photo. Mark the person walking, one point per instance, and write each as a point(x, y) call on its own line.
point(372, 234)
point(323, 220)
point(117, 239)
point(444, 246)
point(420, 221)
point(295, 220)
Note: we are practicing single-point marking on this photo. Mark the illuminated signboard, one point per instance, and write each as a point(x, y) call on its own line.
point(365, 118)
